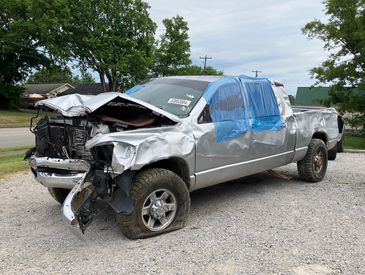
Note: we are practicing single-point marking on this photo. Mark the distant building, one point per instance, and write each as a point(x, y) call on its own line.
point(86, 89)
point(36, 92)
point(311, 96)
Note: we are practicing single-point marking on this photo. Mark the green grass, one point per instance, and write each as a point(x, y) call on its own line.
point(354, 142)
point(12, 164)
point(15, 119)
point(16, 148)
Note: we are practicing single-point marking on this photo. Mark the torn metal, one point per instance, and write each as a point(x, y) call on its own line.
point(80, 105)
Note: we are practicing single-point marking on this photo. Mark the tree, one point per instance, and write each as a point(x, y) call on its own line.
point(9, 95)
point(197, 70)
point(344, 38)
point(112, 37)
point(52, 74)
point(84, 79)
point(18, 44)
point(59, 74)
point(173, 52)
point(291, 99)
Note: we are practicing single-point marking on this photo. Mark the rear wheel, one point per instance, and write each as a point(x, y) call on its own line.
point(314, 165)
point(332, 153)
point(340, 145)
point(161, 204)
point(59, 194)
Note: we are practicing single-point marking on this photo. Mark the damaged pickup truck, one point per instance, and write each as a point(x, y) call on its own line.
point(143, 151)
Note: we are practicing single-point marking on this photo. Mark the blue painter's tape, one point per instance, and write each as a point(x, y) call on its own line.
point(265, 113)
point(226, 106)
point(133, 89)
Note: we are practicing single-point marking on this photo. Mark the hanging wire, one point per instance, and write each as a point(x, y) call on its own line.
point(31, 48)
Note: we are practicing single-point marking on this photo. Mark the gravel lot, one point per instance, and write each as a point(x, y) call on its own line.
point(257, 225)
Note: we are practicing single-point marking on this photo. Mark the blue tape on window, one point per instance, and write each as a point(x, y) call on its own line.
point(250, 78)
point(133, 89)
point(229, 129)
point(226, 106)
point(270, 123)
point(265, 113)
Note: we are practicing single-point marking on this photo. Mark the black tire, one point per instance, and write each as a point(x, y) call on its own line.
point(144, 184)
point(332, 153)
point(340, 144)
point(59, 194)
point(314, 165)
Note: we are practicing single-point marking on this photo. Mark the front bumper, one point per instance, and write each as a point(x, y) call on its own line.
point(69, 171)
point(69, 174)
point(75, 203)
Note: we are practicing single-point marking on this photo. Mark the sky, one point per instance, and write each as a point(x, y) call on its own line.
point(242, 36)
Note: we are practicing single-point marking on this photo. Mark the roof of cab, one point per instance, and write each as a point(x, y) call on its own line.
point(206, 78)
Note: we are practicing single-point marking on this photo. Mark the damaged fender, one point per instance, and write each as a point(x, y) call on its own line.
point(135, 149)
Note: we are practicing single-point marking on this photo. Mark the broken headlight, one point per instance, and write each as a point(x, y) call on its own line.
point(123, 155)
point(103, 153)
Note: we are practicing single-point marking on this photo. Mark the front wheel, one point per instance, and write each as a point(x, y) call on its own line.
point(161, 204)
point(314, 165)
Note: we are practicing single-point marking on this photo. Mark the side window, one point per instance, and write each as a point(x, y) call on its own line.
point(227, 110)
point(264, 107)
point(205, 116)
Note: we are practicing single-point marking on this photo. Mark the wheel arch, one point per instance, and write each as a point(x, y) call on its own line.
point(341, 124)
point(322, 136)
point(174, 164)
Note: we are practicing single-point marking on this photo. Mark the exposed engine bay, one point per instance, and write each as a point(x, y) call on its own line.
point(65, 137)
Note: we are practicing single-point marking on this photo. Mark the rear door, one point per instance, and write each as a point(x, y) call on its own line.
point(272, 122)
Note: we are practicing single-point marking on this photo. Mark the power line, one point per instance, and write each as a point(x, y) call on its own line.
point(30, 48)
point(257, 73)
point(23, 46)
point(205, 60)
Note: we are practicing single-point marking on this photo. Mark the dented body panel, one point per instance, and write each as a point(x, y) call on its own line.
point(135, 149)
point(107, 138)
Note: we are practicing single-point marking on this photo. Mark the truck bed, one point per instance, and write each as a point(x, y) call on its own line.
point(300, 109)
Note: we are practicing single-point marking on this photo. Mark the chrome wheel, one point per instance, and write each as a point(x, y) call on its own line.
point(318, 161)
point(159, 209)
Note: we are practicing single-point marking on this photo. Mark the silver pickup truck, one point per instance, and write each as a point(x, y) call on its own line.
point(141, 152)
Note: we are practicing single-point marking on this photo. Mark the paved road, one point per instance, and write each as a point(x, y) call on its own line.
point(257, 225)
point(10, 137)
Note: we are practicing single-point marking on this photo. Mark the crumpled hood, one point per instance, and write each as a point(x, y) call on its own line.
point(75, 105)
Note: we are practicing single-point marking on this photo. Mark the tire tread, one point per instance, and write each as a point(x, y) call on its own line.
point(141, 182)
point(305, 166)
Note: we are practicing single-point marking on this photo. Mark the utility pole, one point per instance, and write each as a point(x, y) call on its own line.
point(205, 60)
point(257, 73)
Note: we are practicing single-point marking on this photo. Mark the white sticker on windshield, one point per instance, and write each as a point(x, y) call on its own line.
point(179, 101)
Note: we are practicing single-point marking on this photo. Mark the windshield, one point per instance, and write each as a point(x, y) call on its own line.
point(176, 96)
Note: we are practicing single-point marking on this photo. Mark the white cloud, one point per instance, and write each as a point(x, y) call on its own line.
point(247, 35)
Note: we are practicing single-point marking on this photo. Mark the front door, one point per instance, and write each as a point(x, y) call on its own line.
point(221, 135)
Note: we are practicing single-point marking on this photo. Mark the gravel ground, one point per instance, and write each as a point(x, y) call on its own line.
point(257, 225)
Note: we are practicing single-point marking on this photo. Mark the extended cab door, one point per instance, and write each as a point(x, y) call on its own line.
point(273, 125)
point(233, 139)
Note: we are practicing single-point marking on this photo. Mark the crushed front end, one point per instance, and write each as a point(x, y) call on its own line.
point(94, 176)
point(61, 161)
